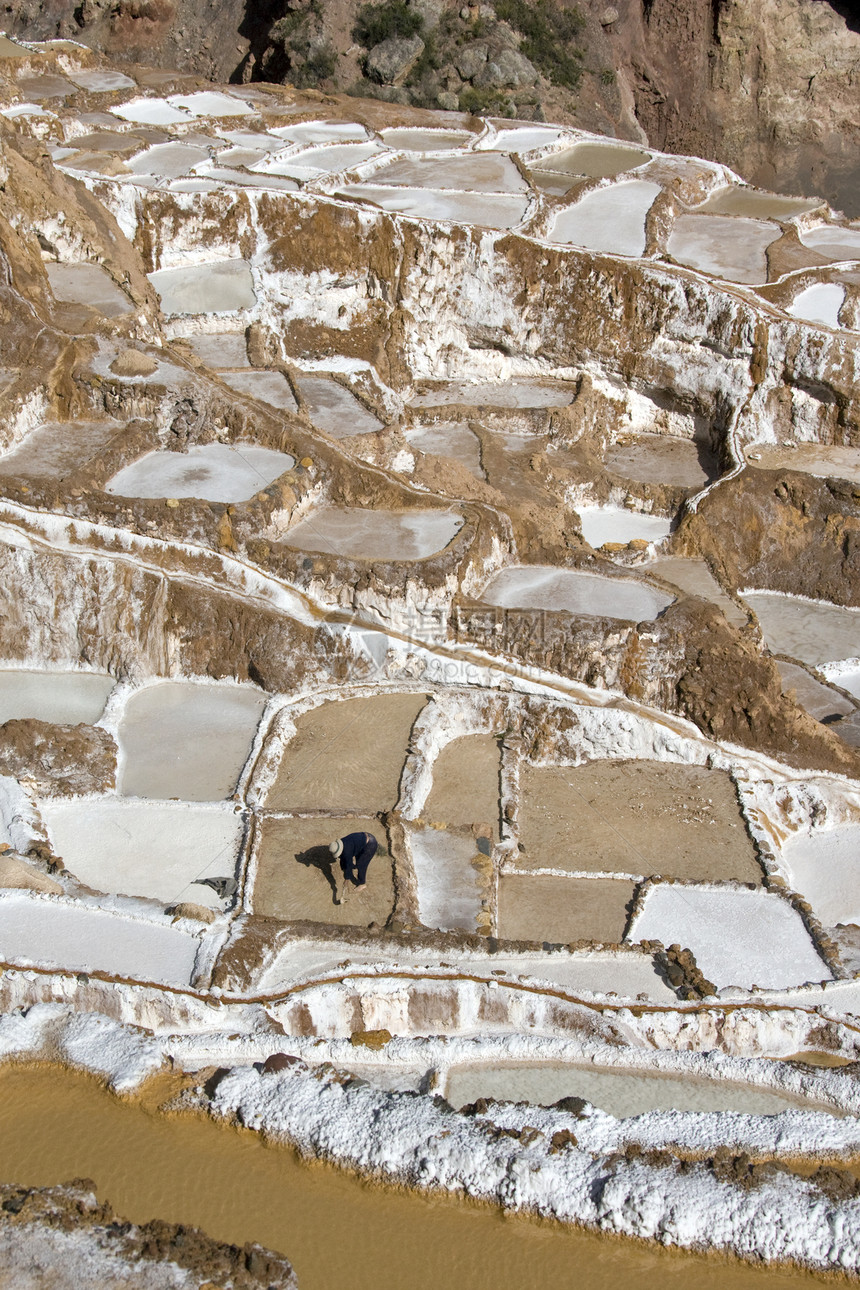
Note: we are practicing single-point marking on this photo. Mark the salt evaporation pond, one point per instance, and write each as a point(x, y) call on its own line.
point(543, 587)
point(167, 160)
point(101, 81)
point(819, 303)
point(833, 241)
point(490, 210)
point(755, 203)
point(149, 849)
point(619, 1093)
point(726, 247)
point(334, 409)
point(824, 866)
point(149, 112)
point(449, 893)
point(812, 630)
point(360, 534)
point(448, 439)
point(182, 739)
point(848, 680)
point(319, 132)
point(69, 937)
point(609, 220)
point(270, 387)
point(221, 286)
point(739, 937)
point(473, 173)
point(58, 448)
point(210, 103)
point(522, 139)
point(88, 284)
point(415, 140)
point(663, 459)
point(323, 160)
point(220, 349)
point(819, 700)
point(495, 394)
point(65, 698)
point(616, 524)
point(594, 160)
point(823, 460)
point(214, 472)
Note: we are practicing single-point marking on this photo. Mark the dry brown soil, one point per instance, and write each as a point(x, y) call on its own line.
point(297, 878)
point(561, 910)
point(635, 817)
point(347, 755)
point(466, 784)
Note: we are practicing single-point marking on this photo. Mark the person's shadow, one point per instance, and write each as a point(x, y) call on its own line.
point(321, 858)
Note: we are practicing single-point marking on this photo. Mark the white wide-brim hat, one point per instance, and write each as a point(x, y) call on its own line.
point(336, 847)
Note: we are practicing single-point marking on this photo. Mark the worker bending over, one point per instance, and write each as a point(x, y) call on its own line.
point(355, 853)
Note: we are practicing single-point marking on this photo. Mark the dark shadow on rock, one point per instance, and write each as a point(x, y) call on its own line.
point(321, 858)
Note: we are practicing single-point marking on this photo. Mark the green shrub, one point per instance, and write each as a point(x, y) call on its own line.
point(547, 32)
point(320, 65)
point(607, 76)
point(377, 22)
point(486, 102)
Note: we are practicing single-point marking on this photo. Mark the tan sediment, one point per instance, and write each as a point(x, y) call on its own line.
point(466, 784)
point(562, 910)
point(339, 1231)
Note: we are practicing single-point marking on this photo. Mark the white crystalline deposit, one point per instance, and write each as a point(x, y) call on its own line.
point(412, 1139)
point(609, 220)
point(739, 937)
point(217, 472)
point(824, 866)
point(125, 1055)
point(62, 697)
point(819, 303)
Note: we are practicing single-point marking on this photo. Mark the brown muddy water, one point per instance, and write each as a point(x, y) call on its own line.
point(339, 1232)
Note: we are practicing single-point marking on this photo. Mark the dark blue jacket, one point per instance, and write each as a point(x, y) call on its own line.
point(358, 851)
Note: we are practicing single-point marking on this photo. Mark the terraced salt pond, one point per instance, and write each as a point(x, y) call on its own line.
point(663, 459)
point(57, 448)
point(607, 220)
point(447, 439)
point(449, 888)
point(594, 160)
point(215, 472)
point(88, 284)
point(726, 247)
point(490, 210)
point(621, 1094)
point(812, 630)
point(474, 173)
point(834, 241)
point(616, 524)
point(819, 303)
point(269, 387)
point(221, 286)
point(755, 203)
point(824, 460)
point(417, 140)
point(825, 868)
point(545, 587)
point(360, 534)
point(495, 394)
point(334, 409)
point(154, 850)
point(65, 698)
point(180, 739)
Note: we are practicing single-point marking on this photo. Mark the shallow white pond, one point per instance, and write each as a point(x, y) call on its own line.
point(148, 111)
point(210, 103)
point(448, 439)
point(167, 160)
point(474, 173)
point(181, 739)
point(609, 220)
point(101, 81)
point(88, 284)
point(616, 524)
point(619, 1093)
point(730, 248)
point(849, 680)
point(823, 460)
point(360, 534)
point(151, 849)
point(819, 303)
point(522, 139)
point(833, 241)
point(414, 140)
point(595, 160)
point(811, 630)
point(244, 179)
point(663, 459)
point(325, 159)
point(543, 587)
point(214, 472)
point(334, 409)
point(816, 698)
point(270, 387)
point(694, 577)
point(824, 866)
point(320, 132)
point(45, 87)
point(449, 895)
point(755, 203)
point(218, 287)
point(739, 937)
point(221, 350)
point(65, 698)
point(495, 394)
point(490, 210)
point(58, 448)
point(60, 935)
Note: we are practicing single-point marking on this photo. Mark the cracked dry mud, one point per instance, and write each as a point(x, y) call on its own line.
point(558, 602)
